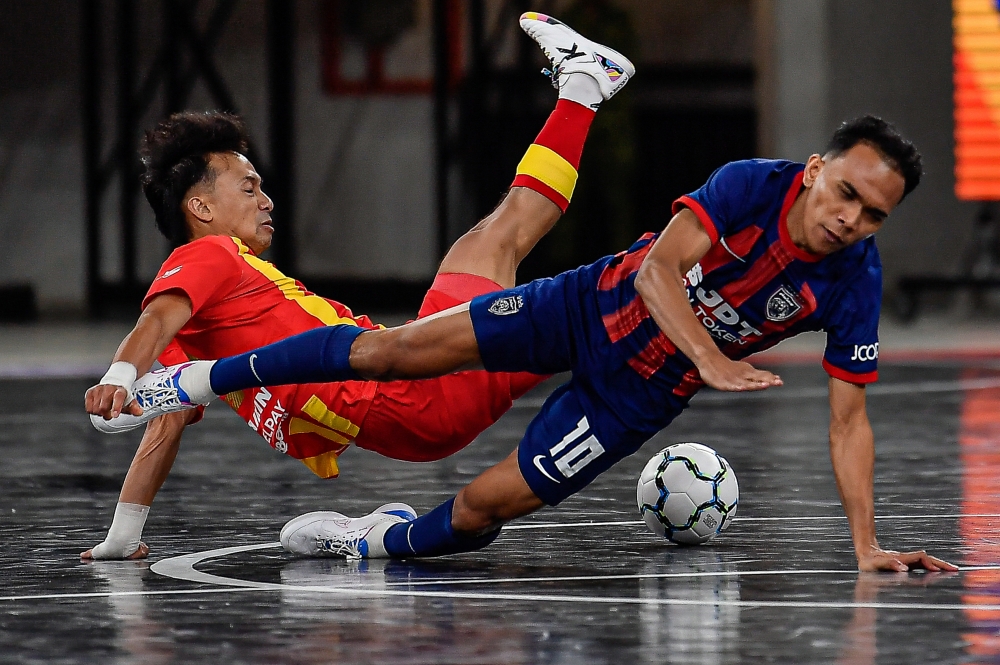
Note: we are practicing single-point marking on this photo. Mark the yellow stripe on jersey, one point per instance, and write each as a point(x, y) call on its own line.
point(550, 167)
point(234, 399)
point(319, 412)
point(324, 466)
point(300, 426)
point(313, 304)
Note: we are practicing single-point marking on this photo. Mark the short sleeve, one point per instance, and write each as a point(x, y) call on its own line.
point(722, 201)
point(173, 354)
point(203, 270)
point(852, 329)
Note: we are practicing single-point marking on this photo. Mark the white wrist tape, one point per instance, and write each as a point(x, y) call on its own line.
point(125, 532)
point(121, 374)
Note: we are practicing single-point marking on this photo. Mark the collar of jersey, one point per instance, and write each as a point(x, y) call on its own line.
point(786, 238)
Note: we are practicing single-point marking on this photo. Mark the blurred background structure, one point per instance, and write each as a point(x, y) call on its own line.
point(385, 128)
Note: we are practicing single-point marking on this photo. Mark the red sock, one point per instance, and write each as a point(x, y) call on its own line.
point(550, 165)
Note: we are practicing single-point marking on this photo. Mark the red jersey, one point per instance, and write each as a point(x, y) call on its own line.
point(240, 302)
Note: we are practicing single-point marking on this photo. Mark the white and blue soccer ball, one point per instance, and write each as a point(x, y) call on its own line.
point(687, 493)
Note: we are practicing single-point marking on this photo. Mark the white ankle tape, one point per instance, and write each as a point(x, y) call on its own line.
point(125, 532)
point(196, 381)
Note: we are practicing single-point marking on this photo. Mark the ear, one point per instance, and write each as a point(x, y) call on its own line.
point(199, 209)
point(814, 165)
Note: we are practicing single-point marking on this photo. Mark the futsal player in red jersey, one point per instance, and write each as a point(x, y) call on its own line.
point(765, 250)
point(215, 297)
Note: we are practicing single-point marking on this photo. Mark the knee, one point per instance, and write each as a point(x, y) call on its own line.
point(376, 354)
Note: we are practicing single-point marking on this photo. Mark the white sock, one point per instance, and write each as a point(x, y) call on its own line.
point(580, 88)
point(196, 381)
point(125, 532)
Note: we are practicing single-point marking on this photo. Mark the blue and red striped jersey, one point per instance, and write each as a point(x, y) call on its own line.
point(754, 287)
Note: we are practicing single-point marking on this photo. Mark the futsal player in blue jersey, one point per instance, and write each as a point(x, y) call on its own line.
point(764, 250)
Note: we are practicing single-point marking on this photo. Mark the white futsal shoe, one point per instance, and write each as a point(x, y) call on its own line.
point(159, 392)
point(327, 533)
point(572, 53)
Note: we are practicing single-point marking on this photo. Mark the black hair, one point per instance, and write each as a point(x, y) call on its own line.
point(175, 157)
point(883, 136)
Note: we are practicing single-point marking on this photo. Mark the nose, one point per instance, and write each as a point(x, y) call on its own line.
point(850, 215)
point(265, 202)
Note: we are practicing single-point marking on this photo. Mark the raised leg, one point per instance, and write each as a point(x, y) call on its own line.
point(495, 246)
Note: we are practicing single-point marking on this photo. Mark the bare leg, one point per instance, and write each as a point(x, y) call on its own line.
point(496, 245)
point(445, 342)
point(494, 498)
point(429, 347)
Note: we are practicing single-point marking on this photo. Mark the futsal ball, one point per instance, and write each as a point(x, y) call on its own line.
point(687, 493)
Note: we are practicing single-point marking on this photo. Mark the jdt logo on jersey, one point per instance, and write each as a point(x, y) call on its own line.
point(865, 352)
point(506, 305)
point(782, 305)
point(715, 313)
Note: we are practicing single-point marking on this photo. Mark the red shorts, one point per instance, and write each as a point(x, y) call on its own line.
point(427, 420)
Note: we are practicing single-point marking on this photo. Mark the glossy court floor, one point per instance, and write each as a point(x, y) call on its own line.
point(585, 583)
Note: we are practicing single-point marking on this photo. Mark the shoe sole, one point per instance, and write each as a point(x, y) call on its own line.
point(107, 426)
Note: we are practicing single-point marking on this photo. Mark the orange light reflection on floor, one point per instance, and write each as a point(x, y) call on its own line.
point(979, 445)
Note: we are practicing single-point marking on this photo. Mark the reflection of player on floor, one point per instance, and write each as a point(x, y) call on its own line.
point(763, 251)
point(214, 297)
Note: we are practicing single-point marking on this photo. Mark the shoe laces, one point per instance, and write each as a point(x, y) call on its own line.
point(557, 67)
point(163, 393)
point(346, 547)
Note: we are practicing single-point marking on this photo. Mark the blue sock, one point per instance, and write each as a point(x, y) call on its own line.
point(320, 355)
point(432, 535)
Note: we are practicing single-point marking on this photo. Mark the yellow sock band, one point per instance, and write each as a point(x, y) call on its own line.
point(549, 167)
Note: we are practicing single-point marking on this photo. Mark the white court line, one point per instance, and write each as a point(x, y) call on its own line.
point(507, 597)
point(564, 525)
point(182, 568)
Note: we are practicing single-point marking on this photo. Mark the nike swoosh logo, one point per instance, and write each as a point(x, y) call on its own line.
point(252, 369)
point(538, 465)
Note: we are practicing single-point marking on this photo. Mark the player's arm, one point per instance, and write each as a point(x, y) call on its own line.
point(159, 322)
point(150, 466)
point(852, 451)
point(660, 283)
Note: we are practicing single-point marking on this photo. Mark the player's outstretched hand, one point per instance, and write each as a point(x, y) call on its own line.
point(108, 401)
point(141, 553)
point(902, 562)
point(736, 376)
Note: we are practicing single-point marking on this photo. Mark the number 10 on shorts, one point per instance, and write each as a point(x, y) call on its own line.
point(569, 460)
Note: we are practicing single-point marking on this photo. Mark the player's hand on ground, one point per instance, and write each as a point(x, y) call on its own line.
point(736, 376)
point(901, 562)
point(141, 553)
point(108, 401)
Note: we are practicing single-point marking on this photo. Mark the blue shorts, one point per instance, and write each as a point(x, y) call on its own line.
point(606, 411)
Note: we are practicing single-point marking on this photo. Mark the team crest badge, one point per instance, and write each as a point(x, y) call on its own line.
point(506, 305)
point(612, 69)
point(783, 305)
